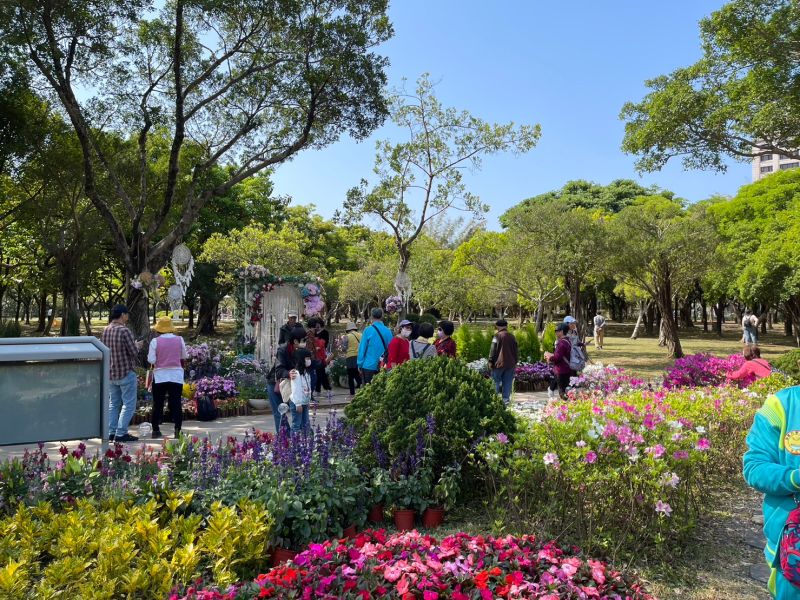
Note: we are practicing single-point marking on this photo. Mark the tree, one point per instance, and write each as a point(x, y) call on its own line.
point(420, 179)
point(660, 248)
point(368, 285)
point(610, 198)
point(740, 99)
point(248, 83)
point(760, 244)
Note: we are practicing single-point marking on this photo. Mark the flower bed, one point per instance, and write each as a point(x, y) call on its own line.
point(623, 472)
point(698, 370)
point(410, 565)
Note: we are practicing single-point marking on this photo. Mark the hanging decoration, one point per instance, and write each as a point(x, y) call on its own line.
point(148, 283)
point(402, 283)
point(182, 267)
point(393, 304)
point(175, 297)
point(312, 299)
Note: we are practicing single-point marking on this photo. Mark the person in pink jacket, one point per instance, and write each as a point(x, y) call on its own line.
point(753, 368)
point(167, 353)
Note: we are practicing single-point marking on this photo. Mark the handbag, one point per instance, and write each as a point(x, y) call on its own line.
point(148, 381)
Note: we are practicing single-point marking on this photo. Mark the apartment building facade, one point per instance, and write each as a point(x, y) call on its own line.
point(770, 163)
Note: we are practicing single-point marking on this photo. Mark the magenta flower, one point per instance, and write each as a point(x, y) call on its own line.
point(502, 438)
point(663, 508)
point(703, 444)
point(591, 457)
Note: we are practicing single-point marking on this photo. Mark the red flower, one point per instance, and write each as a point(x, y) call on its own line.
point(482, 580)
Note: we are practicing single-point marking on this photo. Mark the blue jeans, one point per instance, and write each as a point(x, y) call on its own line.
point(275, 400)
point(299, 419)
point(750, 335)
point(123, 404)
point(503, 381)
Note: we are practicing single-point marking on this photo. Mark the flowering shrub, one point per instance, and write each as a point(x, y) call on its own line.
point(460, 567)
point(204, 361)
point(248, 372)
point(621, 471)
point(698, 370)
point(533, 372)
point(215, 388)
point(393, 304)
point(481, 366)
point(607, 379)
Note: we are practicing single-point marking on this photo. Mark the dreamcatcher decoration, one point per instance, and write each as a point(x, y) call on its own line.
point(402, 284)
point(175, 297)
point(148, 283)
point(182, 266)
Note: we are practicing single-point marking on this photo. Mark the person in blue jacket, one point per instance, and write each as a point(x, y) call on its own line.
point(772, 466)
point(373, 346)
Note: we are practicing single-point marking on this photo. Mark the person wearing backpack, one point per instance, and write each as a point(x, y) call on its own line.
point(422, 347)
point(599, 330)
point(503, 357)
point(750, 328)
point(754, 366)
point(374, 346)
point(772, 467)
point(560, 359)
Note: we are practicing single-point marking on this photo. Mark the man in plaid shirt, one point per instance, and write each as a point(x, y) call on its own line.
point(119, 339)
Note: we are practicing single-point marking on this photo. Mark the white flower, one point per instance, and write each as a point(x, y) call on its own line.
point(700, 429)
point(669, 479)
point(551, 460)
point(675, 424)
point(580, 444)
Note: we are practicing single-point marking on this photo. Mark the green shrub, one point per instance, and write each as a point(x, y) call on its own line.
point(472, 342)
point(425, 318)
point(125, 550)
point(789, 363)
point(549, 337)
point(528, 342)
point(10, 329)
point(394, 406)
point(769, 385)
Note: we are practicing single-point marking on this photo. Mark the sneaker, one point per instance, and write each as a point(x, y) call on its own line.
point(156, 435)
point(111, 438)
point(127, 438)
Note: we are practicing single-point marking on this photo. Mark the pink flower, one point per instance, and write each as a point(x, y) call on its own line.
point(551, 460)
point(680, 455)
point(428, 595)
point(703, 444)
point(502, 438)
point(591, 457)
point(580, 444)
point(663, 508)
point(657, 451)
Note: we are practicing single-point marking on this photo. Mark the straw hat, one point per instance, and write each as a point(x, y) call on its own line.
point(350, 326)
point(165, 325)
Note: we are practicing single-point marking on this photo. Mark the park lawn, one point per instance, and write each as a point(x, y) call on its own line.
point(645, 358)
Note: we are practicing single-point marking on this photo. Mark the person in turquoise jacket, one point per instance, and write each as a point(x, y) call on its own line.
point(373, 346)
point(771, 465)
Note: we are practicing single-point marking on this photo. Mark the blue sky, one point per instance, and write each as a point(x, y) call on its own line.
point(567, 66)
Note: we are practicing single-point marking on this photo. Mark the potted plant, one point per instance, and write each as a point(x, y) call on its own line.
point(378, 489)
point(254, 397)
point(338, 372)
point(409, 494)
point(445, 493)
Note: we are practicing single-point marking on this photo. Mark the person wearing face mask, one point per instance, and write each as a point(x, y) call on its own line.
point(399, 346)
point(279, 387)
point(445, 344)
point(300, 401)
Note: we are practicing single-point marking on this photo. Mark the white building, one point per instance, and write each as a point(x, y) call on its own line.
point(769, 163)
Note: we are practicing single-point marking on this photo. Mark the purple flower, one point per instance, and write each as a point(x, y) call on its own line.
point(591, 457)
point(502, 438)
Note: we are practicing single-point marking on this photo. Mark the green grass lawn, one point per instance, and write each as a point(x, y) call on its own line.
point(644, 357)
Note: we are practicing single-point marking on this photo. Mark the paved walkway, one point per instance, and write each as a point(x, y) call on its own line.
point(529, 404)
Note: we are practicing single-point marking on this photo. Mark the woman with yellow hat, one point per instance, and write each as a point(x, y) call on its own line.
point(167, 353)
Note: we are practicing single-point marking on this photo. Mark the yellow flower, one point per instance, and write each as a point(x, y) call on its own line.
point(188, 391)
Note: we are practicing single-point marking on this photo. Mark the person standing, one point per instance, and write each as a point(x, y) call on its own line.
point(278, 381)
point(422, 347)
point(750, 328)
point(319, 360)
point(350, 341)
point(560, 361)
point(321, 332)
point(575, 340)
point(166, 353)
point(772, 467)
point(120, 341)
point(301, 390)
point(399, 346)
point(374, 346)
point(445, 344)
point(285, 333)
point(599, 330)
point(503, 356)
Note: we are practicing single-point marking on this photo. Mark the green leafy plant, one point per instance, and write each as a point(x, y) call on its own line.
point(395, 405)
point(530, 349)
point(789, 363)
point(549, 337)
point(447, 489)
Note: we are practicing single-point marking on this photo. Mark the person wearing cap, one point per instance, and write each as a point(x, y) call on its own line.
point(399, 351)
point(560, 361)
point(503, 357)
point(124, 348)
point(374, 346)
point(167, 353)
point(285, 333)
point(349, 344)
point(445, 344)
point(279, 387)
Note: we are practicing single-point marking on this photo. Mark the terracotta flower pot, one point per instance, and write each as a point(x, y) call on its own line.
point(349, 532)
point(404, 519)
point(433, 517)
point(376, 514)
point(282, 555)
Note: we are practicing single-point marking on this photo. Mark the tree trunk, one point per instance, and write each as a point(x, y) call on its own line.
point(574, 285)
point(686, 314)
point(28, 302)
point(42, 312)
point(640, 320)
point(205, 317)
point(190, 306)
point(19, 303)
point(719, 312)
point(138, 318)
point(669, 327)
point(787, 325)
point(70, 320)
point(539, 317)
point(52, 316)
point(705, 317)
point(86, 314)
point(793, 308)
